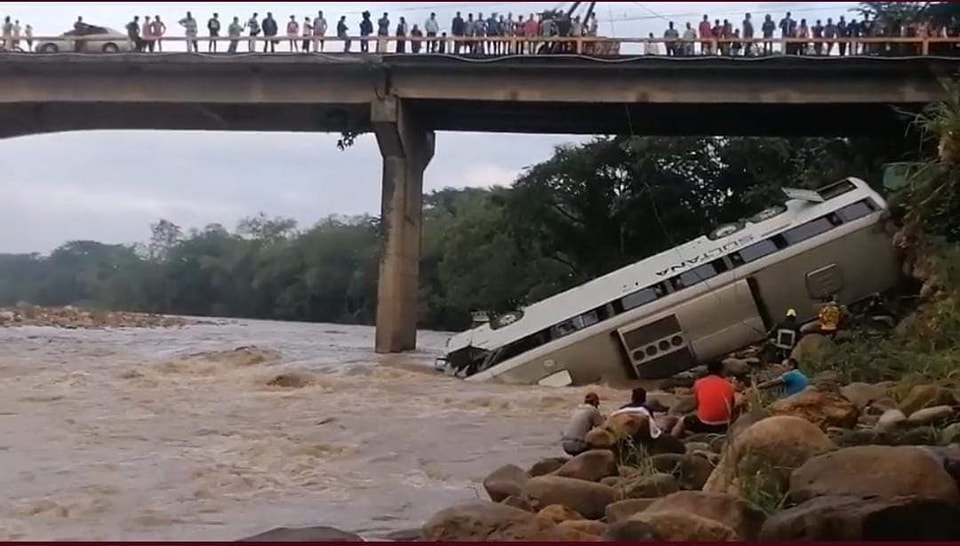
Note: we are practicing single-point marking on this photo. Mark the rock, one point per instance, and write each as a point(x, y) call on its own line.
point(585, 526)
point(630, 531)
point(403, 535)
point(665, 444)
point(546, 466)
point(862, 394)
point(677, 381)
point(683, 405)
point(734, 512)
point(622, 510)
point(736, 367)
point(927, 396)
point(771, 449)
point(625, 471)
point(558, 513)
point(709, 456)
point(588, 498)
point(592, 466)
point(665, 399)
point(824, 409)
point(828, 380)
point(693, 447)
point(612, 481)
point(811, 348)
point(482, 521)
point(857, 519)
point(518, 502)
point(879, 406)
point(881, 471)
point(505, 481)
point(645, 487)
point(920, 436)
point(690, 472)
point(929, 416)
point(742, 423)
point(681, 526)
point(891, 419)
point(304, 534)
point(950, 434)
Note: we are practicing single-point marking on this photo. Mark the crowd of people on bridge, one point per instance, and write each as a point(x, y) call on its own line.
point(498, 34)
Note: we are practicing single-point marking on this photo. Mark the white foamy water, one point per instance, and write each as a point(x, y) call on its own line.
point(123, 435)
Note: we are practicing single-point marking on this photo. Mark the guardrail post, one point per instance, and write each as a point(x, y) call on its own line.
point(406, 150)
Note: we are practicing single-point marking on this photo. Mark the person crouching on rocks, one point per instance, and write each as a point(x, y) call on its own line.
point(716, 400)
point(790, 383)
point(584, 419)
point(638, 406)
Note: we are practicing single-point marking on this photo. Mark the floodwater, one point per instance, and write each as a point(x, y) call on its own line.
point(131, 435)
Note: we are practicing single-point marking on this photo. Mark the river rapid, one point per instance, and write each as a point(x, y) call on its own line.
point(130, 434)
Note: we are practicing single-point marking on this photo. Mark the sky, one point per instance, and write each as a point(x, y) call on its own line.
point(110, 185)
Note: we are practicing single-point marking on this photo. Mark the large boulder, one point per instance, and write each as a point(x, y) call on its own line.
point(824, 409)
point(593, 466)
point(630, 531)
point(736, 367)
point(505, 481)
point(811, 348)
point(684, 404)
point(880, 471)
point(891, 419)
point(304, 534)
point(863, 394)
point(587, 498)
point(648, 486)
point(547, 466)
point(734, 512)
point(930, 416)
point(691, 471)
point(927, 396)
point(558, 513)
point(585, 526)
point(769, 449)
point(482, 521)
point(858, 519)
point(623, 510)
point(683, 526)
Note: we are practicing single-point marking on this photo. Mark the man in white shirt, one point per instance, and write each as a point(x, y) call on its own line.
point(584, 419)
point(637, 406)
point(432, 27)
point(319, 31)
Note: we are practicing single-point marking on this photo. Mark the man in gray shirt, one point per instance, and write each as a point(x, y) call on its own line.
point(584, 419)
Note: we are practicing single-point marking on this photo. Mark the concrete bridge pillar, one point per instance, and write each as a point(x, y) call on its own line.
point(406, 149)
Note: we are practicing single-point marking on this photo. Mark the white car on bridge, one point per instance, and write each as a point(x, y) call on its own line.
point(99, 40)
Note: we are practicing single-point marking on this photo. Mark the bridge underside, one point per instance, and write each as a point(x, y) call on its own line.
point(472, 116)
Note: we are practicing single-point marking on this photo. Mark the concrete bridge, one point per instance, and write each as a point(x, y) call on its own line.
point(405, 99)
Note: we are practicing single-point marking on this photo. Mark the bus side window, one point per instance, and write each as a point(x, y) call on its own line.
point(640, 297)
point(808, 230)
point(857, 210)
point(694, 276)
point(756, 251)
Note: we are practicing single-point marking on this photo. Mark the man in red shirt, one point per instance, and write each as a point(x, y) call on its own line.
point(706, 33)
point(715, 398)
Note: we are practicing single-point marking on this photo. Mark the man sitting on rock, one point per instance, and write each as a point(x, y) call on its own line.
point(584, 419)
point(791, 382)
point(715, 398)
point(637, 406)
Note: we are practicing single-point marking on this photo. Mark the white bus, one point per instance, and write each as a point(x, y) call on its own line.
point(695, 302)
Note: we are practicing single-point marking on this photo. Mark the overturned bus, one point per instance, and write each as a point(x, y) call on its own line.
point(695, 302)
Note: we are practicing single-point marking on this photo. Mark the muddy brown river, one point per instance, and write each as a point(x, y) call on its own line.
point(132, 435)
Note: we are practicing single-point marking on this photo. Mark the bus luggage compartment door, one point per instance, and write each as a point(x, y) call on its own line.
point(701, 328)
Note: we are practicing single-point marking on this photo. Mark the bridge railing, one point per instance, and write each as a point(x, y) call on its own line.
point(512, 45)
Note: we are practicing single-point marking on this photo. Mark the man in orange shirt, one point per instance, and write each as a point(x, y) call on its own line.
point(715, 398)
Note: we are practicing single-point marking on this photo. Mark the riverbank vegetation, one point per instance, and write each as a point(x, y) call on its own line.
point(583, 212)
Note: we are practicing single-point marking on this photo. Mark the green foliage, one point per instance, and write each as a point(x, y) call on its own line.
point(760, 486)
point(580, 214)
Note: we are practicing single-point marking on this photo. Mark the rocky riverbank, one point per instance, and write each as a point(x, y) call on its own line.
point(74, 318)
point(834, 462)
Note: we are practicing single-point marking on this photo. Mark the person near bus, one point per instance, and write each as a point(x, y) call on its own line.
point(784, 336)
point(715, 398)
point(829, 316)
point(584, 419)
point(789, 383)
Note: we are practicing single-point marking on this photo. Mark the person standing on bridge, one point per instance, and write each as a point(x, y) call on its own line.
point(432, 27)
point(133, 33)
point(689, 38)
point(28, 34)
point(213, 27)
point(269, 26)
point(458, 28)
point(234, 31)
point(307, 33)
point(319, 31)
point(750, 48)
point(366, 30)
point(830, 34)
point(706, 35)
point(383, 31)
point(254, 25)
point(670, 37)
point(157, 29)
point(817, 32)
point(147, 32)
point(293, 33)
point(342, 33)
point(416, 42)
point(189, 25)
point(402, 32)
point(768, 28)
